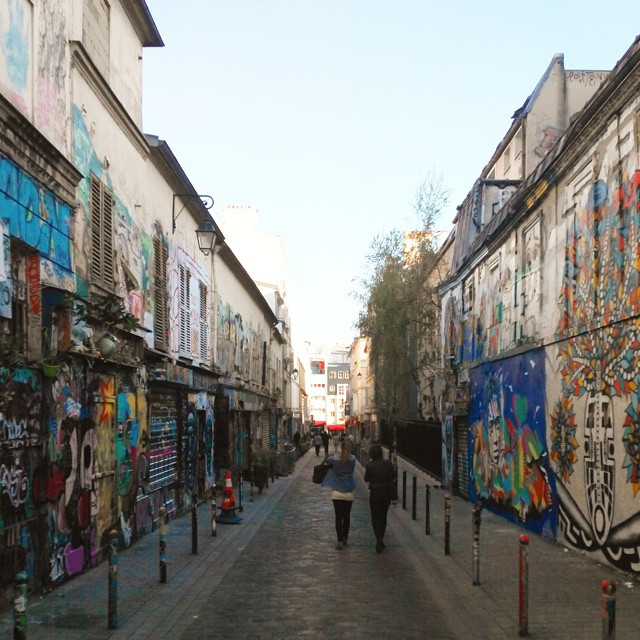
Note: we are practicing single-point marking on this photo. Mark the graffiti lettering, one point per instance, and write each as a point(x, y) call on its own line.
point(16, 433)
point(14, 483)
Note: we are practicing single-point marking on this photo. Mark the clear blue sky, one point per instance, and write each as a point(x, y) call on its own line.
point(326, 115)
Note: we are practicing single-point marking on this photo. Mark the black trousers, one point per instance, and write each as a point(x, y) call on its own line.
point(379, 507)
point(343, 518)
point(317, 446)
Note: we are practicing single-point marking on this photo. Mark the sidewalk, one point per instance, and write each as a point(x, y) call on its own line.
point(273, 576)
point(564, 586)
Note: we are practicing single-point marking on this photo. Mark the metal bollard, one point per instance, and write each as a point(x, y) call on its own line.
point(194, 528)
point(240, 505)
point(404, 489)
point(427, 509)
point(113, 579)
point(447, 523)
point(608, 610)
point(20, 607)
point(163, 544)
point(523, 608)
point(214, 526)
point(475, 519)
point(414, 506)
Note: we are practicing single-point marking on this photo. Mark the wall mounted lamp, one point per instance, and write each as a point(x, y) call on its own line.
point(206, 235)
point(295, 374)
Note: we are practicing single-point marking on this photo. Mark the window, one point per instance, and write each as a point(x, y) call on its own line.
point(161, 316)
point(469, 295)
point(185, 311)
point(332, 388)
point(332, 374)
point(101, 234)
point(204, 342)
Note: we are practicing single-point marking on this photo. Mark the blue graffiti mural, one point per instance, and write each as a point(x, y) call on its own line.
point(507, 444)
point(35, 216)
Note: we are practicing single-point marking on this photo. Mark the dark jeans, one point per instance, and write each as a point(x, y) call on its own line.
point(343, 518)
point(317, 446)
point(379, 508)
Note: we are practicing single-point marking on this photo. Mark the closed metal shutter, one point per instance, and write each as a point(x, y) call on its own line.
point(163, 439)
point(462, 455)
point(266, 424)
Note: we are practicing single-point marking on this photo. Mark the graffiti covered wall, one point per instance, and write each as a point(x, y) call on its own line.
point(595, 423)
point(507, 444)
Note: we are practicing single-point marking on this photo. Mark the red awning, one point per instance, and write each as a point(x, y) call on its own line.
point(335, 427)
point(319, 423)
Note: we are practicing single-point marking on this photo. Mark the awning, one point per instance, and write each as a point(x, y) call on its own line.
point(319, 423)
point(335, 427)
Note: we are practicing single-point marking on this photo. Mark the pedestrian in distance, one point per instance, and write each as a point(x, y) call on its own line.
point(336, 442)
point(381, 476)
point(366, 447)
point(340, 479)
point(325, 442)
point(317, 441)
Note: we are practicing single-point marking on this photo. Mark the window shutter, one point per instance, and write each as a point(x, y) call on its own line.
point(107, 237)
point(102, 256)
point(203, 322)
point(96, 231)
point(185, 312)
point(160, 295)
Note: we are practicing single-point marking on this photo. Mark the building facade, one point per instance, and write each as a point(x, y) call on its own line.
point(134, 361)
point(541, 319)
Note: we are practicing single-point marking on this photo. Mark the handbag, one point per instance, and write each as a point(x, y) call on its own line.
point(320, 472)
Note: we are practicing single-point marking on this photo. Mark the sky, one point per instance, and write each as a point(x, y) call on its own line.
point(326, 115)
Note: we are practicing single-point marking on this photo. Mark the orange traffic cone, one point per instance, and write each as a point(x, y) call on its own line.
point(228, 513)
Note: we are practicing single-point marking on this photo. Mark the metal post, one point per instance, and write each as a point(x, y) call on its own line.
point(194, 527)
point(163, 544)
point(523, 608)
point(240, 506)
point(447, 523)
point(608, 610)
point(427, 509)
point(113, 579)
point(404, 489)
point(414, 506)
point(20, 607)
point(214, 527)
point(475, 519)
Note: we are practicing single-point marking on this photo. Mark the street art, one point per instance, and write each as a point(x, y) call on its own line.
point(447, 449)
point(596, 417)
point(15, 25)
point(40, 220)
point(50, 108)
point(510, 467)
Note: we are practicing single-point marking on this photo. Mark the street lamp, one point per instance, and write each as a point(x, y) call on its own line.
point(207, 236)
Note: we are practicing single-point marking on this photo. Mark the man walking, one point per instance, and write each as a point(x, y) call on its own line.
point(325, 442)
point(317, 441)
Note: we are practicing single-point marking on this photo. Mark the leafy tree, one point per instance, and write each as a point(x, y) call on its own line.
point(400, 306)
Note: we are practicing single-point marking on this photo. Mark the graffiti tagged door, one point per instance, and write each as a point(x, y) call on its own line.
point(103, 411)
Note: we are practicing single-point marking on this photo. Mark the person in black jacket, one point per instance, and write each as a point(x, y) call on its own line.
point(381, 477)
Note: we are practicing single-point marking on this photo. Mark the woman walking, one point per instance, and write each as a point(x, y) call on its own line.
point(340, 479)
point(381, 477)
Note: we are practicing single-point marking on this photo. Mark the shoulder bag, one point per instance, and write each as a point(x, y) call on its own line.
point(320, 471)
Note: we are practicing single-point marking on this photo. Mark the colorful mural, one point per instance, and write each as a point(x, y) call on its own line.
point(596, 426)
point(510, 467)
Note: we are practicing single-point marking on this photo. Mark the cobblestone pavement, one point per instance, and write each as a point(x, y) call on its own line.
point(278, 575)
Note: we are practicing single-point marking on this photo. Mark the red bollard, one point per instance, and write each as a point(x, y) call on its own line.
point(608, 610)
point(523, 609)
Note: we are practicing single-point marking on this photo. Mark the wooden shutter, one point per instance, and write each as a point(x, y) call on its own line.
point(96, 230)
point(203, 322)
point(102, 255)
point(160, 324)
point(185, 311)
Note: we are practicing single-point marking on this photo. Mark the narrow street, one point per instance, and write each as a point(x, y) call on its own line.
point(278, 575)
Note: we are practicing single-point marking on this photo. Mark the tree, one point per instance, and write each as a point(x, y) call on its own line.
point(400, 305)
